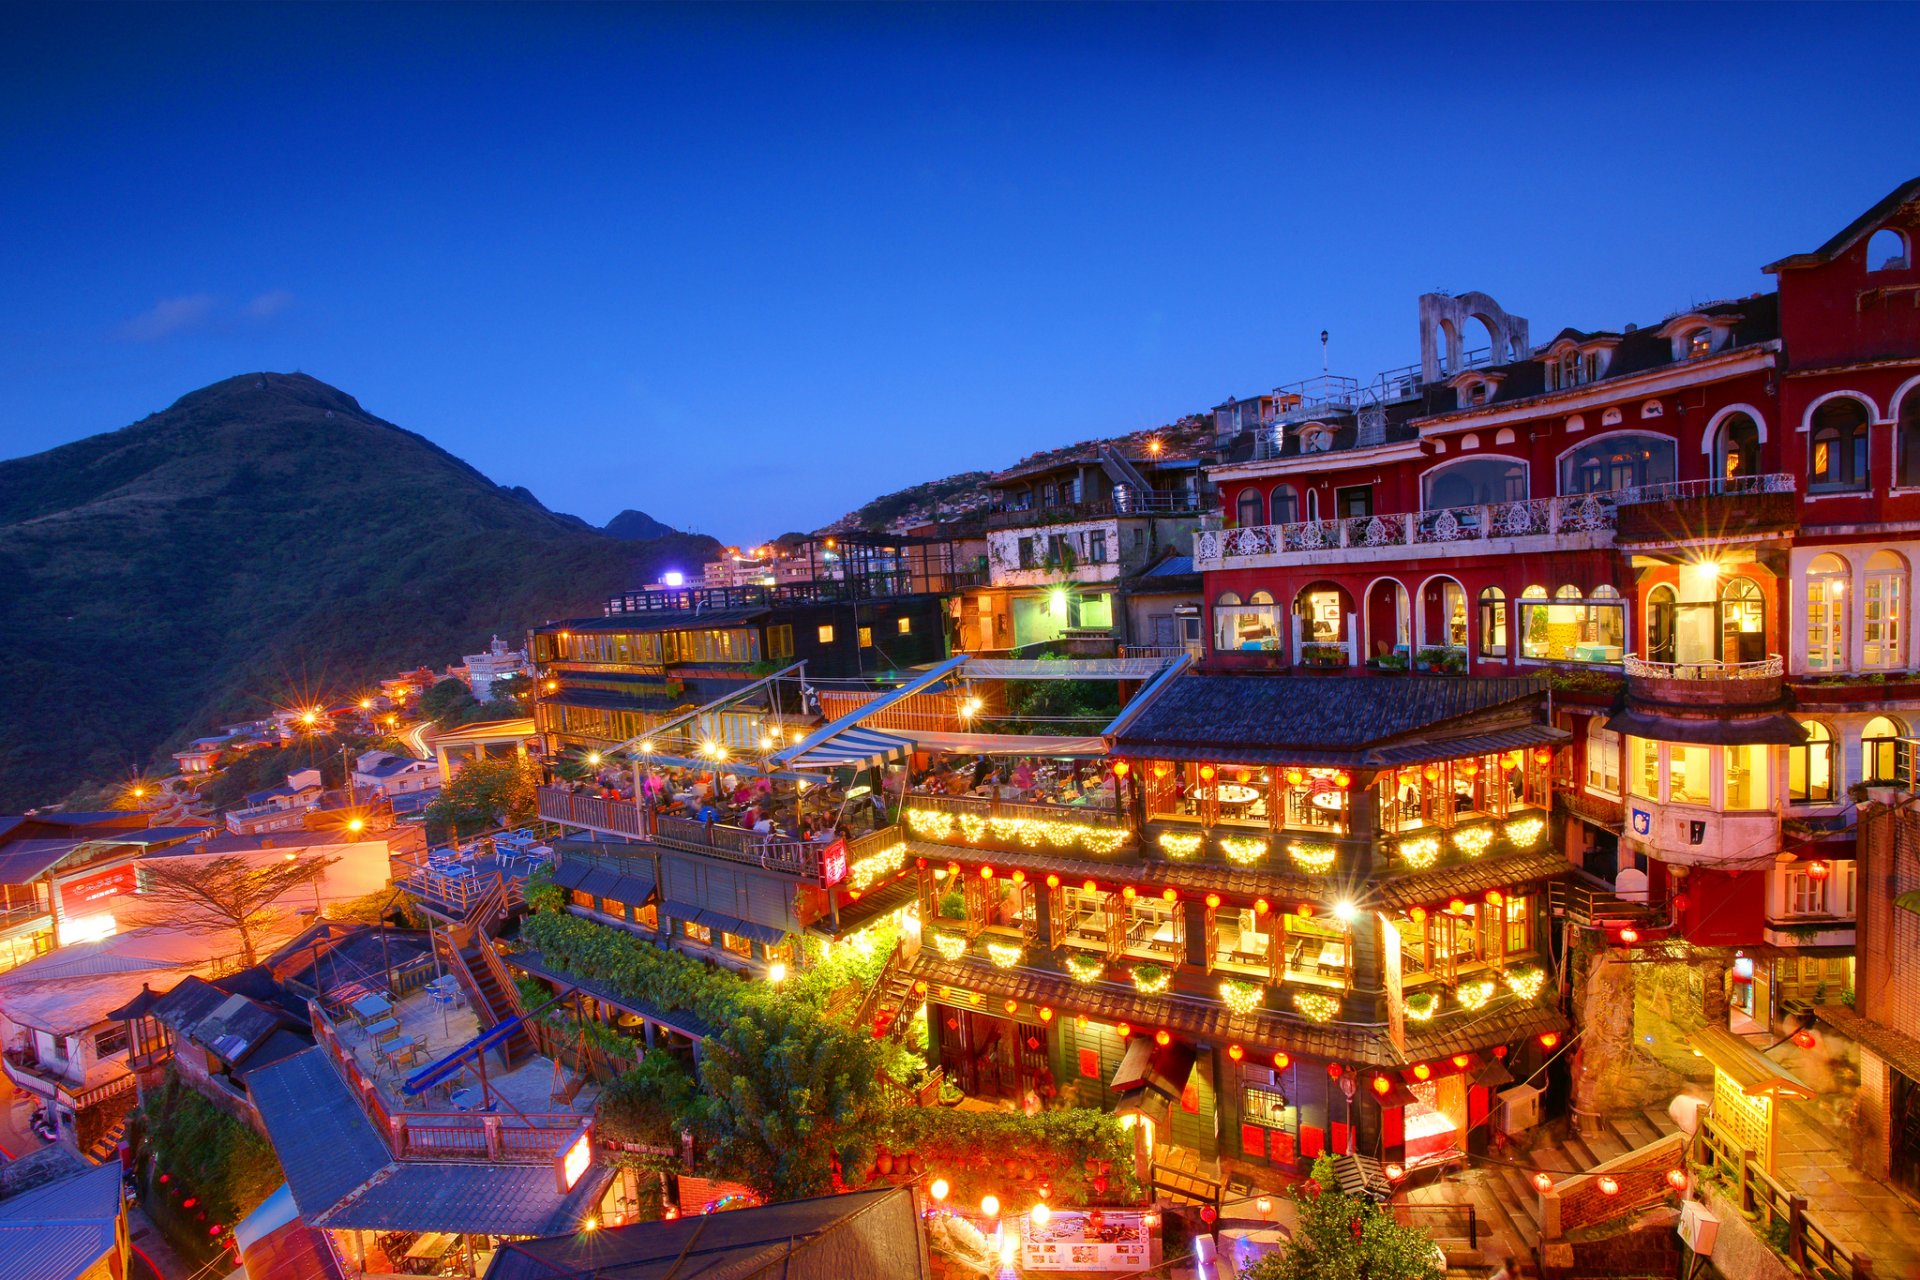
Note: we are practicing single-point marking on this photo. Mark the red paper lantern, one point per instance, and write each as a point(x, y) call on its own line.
point(1121, 768)
point(1609, 1186)
point(1499, 1051)
point(1804, 1039)
point(1123, 1029)
point(1088, 886)
point(1019, 877)
point(1235, 1052)
point(1334, 1070)
point(1053, 882)
point(1461, 1060)
point(1382, 1085)
point(1206, 773)
point(1208, 1213)
point(1421, 1071)
point(1162, 1038)
point(1548, 1039)
point(1304, 910)
point(1129, 893)
point(1396, 1172)
point(1817, 870)
point(1418, 915)
point(1213, 900)
point(1629, 935)
point(1281, 1061)
point(1494, 898)
point(1046, 1014)
point(1343, 780)
point(1295, 777)
point(1456, 905)
point(986, 873)
point(1260, 906)
point(1542, 754)
point(1431, 773)
point(1543, 1182)
point(1012, 1006)
point(1677, 1179)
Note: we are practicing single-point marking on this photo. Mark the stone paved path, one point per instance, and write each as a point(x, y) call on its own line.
point(1860, 1211)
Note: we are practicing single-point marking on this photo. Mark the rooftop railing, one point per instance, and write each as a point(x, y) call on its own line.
point(1717, 487)
point(1528, 517)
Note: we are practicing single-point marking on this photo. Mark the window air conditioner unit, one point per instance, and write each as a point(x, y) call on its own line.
point(1519, 1110)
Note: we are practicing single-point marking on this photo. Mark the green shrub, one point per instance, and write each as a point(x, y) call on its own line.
point(223, 1162)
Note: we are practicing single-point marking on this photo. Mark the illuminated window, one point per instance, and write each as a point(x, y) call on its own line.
point(780, 641)
point(905, 626)
point(1688, 777)
point(1882, 601)
point(1877, 749)
point(1603, 757)
point(699, 933)
point(1827, 614)
point(1837, 457)
point(738, 945)
point(826, 635)
point(1250, 625)
point(866, 637)
point(1699, 343)
point(1643, 767)
point(1738, 447)
point(1806, 896)
point(1810, 767)
point(1493, 623)
point(1620, 461)
point(1746, 781)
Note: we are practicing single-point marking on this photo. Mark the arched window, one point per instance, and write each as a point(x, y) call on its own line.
point(1472, 482)
point(1699, 343)
point(1249, 511)
point(1883, 602)
point(1736, 450)
point(1603, 757)
point(1313, 504)
point(1662, 614)
point(1887, 251)
point(1877, 749)
point(1907, 436)
point(1493, 623)
point(1567, 591)
point(1621, 461)
point(1286, 507)
point(1810, 767)
point(1250, 626)
point(1837, 446)
point(1573, 628)
point(1827, 614)
point(1743, 620)
point(1443, 615)
point(1323, 608)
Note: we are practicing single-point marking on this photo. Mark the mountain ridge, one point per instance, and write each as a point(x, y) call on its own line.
point(261, 539)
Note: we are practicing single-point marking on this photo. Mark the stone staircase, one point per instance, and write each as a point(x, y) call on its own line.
point(1507, 1201)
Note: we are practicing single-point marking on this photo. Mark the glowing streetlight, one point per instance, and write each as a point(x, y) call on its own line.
point(1039, 1214)
point(356, 825)
point(938, 1189)
point(593, 759)
point(990, 1205)
point(309, 717)
point(777, 971)
point(1345, 912)
point(646, 748)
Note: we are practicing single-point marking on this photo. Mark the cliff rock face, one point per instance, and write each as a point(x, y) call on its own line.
point(262, 539)
point(1618, 1004)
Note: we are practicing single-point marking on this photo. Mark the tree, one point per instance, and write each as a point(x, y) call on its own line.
point(214, 895)
point(447, 701)
point(788, 1095)
point(1343, 1237)
point(513, 689)
point(500, 790)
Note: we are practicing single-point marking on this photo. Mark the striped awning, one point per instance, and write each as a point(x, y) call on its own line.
point(856, 746)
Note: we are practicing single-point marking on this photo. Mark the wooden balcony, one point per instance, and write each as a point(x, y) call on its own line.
point(612, 817)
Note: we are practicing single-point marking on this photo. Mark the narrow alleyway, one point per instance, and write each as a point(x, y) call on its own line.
point(1861, 1212)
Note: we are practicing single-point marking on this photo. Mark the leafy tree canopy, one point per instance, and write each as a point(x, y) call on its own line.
point(1343, 1237)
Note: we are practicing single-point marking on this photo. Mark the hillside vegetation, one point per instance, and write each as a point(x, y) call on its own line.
point(263, 540)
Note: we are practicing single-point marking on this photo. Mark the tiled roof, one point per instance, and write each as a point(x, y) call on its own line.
point(342, 1174)
point(1899, 1050)
point(1466, 879)
point(1277, 719)
point(1207, 1021)
point(762, 1241)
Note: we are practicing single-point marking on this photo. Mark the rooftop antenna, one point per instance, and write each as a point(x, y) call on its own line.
point(1323, 351)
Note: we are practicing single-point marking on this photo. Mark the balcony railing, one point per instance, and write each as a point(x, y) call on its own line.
point(1768, 668)
point(523, 1138)
point(1445, 529)
point(737, 844)
point(619, 817)
point(1718, 487)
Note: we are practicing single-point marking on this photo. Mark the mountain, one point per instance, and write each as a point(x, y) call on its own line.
point(948, 498)
point(263, 540)
point(637, 526)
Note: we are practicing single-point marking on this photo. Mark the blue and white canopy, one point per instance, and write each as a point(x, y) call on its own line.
point(856, 747)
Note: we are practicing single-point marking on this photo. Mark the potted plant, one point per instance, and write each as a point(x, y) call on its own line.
point(1323, 655)
point(1390, 662)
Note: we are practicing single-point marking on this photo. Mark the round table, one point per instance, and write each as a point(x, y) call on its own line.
point(1331, 801)
point(1231, 794)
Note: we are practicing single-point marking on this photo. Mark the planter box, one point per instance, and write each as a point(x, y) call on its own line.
point(1851, 694)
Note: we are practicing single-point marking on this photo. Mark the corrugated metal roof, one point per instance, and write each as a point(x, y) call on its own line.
point(472, 1199)
point(59, 1229)
point(326, 1145)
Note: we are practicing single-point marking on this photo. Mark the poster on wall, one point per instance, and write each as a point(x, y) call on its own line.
point(1090, 1240)
point(83, 894)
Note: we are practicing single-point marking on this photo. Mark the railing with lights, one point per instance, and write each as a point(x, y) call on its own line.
point(1769, 668)
point(1420, 533)
point(1012, 825)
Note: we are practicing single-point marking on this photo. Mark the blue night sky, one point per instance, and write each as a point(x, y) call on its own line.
point(745, 268)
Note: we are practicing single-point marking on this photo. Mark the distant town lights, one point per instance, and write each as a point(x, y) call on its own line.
point(674, 578)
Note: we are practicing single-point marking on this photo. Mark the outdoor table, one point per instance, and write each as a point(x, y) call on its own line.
point(373, 1005)
point(383, 1028)
point(1328, 800)
point(432, 1246)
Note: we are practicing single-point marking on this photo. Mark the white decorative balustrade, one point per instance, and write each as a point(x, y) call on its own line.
point(1581, 514)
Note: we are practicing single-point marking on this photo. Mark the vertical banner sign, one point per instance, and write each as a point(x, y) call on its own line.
point(1396, 999)
point(833, 864)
